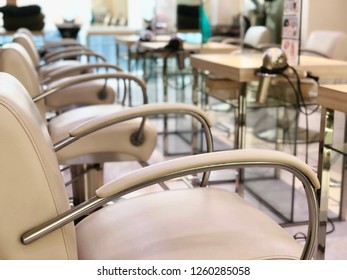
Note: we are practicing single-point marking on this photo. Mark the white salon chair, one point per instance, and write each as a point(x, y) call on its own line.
point(92, 92)
point(133, 140)
point(46, 66)
point(326, 43)
point(198, 223)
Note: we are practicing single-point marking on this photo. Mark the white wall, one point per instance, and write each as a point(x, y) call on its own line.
point(222, 11)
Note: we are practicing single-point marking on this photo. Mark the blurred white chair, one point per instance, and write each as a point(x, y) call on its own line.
point(192, 223)
point(326, 43)
point(131, 138)
point(64, 56)
point(93, 92)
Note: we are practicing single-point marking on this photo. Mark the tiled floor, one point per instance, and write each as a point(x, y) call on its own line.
point(222, 116)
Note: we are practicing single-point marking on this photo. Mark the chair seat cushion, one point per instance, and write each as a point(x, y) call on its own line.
point(108, 144)
point(201, 223)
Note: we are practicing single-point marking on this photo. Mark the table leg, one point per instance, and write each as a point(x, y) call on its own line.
point(165, 99)
point(326, 138)
point(195, 96)
point(343, 206)
point(240, 134)
point(129, 59)
point(241, 118)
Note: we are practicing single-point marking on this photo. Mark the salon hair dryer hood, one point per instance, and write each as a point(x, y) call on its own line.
point(274, 63)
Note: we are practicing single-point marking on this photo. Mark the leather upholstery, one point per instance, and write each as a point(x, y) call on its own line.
point(109, 144)
point(257, 36)
point(203, 224)
point(79, 95)
point(85, 94)
point(120, 148)
point(31, 190)
point(25, 41)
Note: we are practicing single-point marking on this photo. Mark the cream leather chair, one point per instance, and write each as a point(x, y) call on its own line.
point(198, 223)
point(45, 63)
point(326, 43)
point(92, 92)
point(133, 140)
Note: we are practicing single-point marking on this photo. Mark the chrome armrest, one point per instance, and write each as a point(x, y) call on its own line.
point(234, 159)
point(71, 70)
point(72, 55)
point(60, 51)
point(56, 86)
point(59, 44)
point(143, 111)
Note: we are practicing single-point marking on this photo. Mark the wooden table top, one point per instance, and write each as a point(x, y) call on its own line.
point(333, 97)
point(110, 30)
point(241, 66)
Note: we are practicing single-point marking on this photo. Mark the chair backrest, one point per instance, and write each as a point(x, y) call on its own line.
point(331, 44)
point(15, 60)
point(28, 43)
point(32, 189)
point(257, 35)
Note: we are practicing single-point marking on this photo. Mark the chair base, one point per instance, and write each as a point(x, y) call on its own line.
point(87, 178)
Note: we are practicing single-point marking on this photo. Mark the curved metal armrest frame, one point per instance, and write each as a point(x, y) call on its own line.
point(73, 55)
point(79, 79)
point(71, 70)
point(61, 51)
point(58, 44)
point(143, 111)
point(235, 159)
